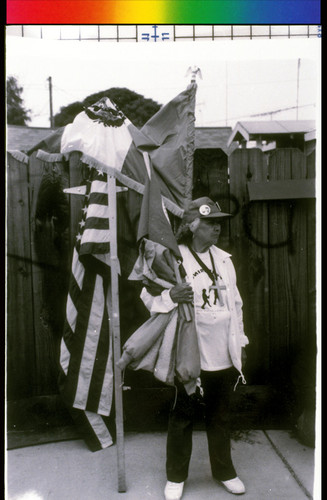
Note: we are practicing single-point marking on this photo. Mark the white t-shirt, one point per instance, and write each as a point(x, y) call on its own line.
point(212, 319)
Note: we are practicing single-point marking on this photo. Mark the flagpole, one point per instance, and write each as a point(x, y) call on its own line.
point(114, 327)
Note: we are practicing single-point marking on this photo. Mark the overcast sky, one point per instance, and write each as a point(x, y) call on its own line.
point(240, 78)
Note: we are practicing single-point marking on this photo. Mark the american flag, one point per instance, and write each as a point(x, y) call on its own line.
point(86, 350)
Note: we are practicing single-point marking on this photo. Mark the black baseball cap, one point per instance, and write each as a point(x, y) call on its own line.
point(203, 208)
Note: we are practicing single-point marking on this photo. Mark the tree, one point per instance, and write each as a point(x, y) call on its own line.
point(17, 114)
point(137, 108)
point(67, 114)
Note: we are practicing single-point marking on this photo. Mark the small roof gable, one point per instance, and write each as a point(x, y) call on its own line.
point(250, 130)
point(213, 138)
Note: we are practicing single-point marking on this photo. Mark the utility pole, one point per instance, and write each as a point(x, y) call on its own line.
point(50, 101)
point(297, 88)
point(226, 96)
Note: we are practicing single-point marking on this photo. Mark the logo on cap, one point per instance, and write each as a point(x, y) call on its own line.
point(204, 210)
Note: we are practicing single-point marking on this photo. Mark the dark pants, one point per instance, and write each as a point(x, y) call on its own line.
point(217, 387)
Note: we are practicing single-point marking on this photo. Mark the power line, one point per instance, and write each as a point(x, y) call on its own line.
point(282, 109)
point(69, 93)
point(266, 113)
point(270, 82)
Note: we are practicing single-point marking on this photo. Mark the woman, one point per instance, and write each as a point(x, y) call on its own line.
point(211, 286)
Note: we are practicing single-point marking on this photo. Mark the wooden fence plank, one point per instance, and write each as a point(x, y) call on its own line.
point(257, 225)
point(304, 336)
point(251, 260)
point(49, 221)
point(311, 248)
point(280, 286)
point(298, 259)
point(311, 165)
point(287, 266)
point(21, 376)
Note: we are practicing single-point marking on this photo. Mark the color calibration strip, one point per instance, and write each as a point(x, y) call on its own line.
point(163, 11)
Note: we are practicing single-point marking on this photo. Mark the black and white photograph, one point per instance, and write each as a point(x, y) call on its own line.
point(162, 264)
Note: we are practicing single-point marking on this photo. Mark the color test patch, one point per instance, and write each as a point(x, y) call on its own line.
point(163, 11)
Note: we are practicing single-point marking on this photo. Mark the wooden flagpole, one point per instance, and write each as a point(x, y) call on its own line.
point(114, 320)
point(114, 327)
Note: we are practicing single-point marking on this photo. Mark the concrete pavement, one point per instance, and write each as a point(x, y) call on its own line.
point(272, 464)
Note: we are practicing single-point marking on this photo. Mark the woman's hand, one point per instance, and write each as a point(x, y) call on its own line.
point(181, 293)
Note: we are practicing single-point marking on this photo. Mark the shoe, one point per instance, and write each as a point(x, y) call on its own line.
point(173, 491)
point(234, 486)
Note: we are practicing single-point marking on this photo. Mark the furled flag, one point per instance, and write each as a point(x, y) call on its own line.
point(169, 138)
point(86, 380)
point(107, 143)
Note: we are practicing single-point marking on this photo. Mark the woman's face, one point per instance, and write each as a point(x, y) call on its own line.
point(208, 231)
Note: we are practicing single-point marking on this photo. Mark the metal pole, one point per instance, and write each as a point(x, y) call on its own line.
point(50, 100)
point(114, 324)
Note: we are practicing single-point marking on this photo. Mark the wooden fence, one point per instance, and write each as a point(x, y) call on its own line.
point(272, 243)
point(273, 247)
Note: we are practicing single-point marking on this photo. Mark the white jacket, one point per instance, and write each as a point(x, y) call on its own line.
point(237, 339)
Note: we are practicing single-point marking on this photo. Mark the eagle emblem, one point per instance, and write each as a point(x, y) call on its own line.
point(106, 112)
